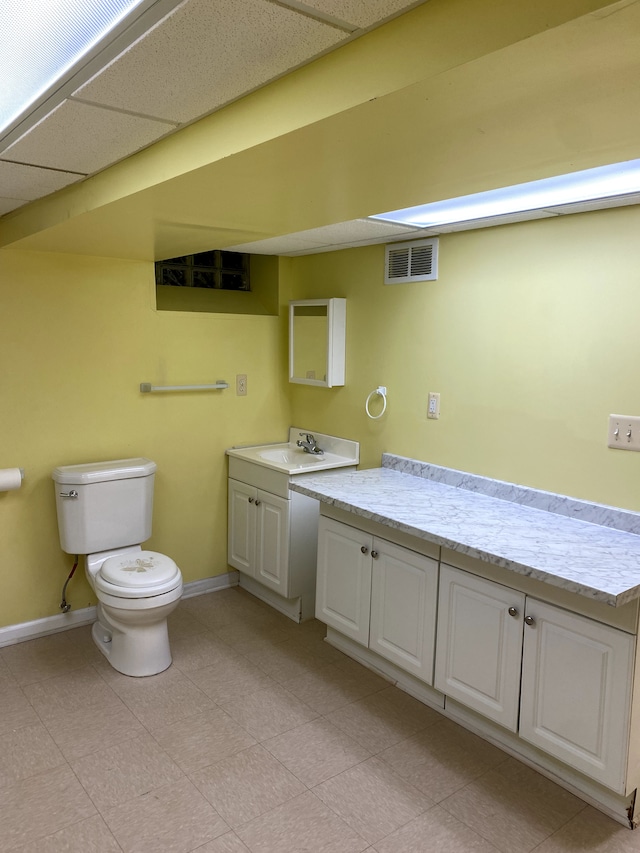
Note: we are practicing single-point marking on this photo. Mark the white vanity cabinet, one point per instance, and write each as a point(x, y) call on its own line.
point(480, 644)
point(379, 594)
point(530, 617)
point(272, 538)
point(577, 676)
point(539, 677)
point(561, 680)
point(343, 584)
point(259, 535)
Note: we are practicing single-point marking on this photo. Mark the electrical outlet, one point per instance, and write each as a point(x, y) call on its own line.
point(241, 385)
point(624, 432)
point(433, 409)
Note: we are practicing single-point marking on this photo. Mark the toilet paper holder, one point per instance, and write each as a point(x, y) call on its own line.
point(11, 479)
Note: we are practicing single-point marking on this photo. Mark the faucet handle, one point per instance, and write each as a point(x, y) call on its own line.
point(310, 438)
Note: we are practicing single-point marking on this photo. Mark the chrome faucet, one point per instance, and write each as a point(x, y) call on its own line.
point(309, 445)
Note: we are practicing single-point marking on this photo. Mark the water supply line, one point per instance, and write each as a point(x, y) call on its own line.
point(63, 604)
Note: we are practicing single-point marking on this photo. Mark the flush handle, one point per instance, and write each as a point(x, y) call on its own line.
point(71, 494)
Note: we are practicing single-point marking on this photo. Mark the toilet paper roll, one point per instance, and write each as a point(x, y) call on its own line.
point(10, 478)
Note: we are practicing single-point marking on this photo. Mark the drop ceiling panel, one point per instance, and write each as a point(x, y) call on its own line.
point(357, 232)
point(361, 14)
point(19, 181)
point(354, 232)
point(82, 138)
point(285, 245)
point(206, 54)
point(356, 229)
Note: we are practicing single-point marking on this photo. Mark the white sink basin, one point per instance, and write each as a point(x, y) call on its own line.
point(291, 459)
point(288, 455)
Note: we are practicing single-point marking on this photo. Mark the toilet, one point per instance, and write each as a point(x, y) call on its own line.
point(104, 513)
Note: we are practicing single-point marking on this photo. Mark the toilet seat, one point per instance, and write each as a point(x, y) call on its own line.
point(141, 574)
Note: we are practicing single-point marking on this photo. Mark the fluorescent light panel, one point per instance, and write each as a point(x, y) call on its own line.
point(44, 39)
point(602, 182)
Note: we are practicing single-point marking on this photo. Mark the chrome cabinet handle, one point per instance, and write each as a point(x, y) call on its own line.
point(513, 611)
point(529, 620)
point(375, 555)
point(257, 502)
point(364, 549)
point(71, 494)
point(251, 500)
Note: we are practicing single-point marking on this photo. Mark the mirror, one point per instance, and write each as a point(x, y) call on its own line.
point(317, 342)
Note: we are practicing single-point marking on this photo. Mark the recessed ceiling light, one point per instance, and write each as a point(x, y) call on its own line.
point(602, 182)
point(42, 40)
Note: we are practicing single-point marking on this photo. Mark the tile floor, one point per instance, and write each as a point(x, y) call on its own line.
point(259, 738)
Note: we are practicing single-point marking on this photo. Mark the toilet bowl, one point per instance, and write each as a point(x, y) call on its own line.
point(136, 590)
point(104, 512)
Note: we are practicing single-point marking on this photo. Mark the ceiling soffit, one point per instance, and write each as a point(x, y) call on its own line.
point(509, 116)
point(187, 64)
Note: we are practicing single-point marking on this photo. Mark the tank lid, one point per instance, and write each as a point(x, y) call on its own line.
point(99, 472)
point(142, 569)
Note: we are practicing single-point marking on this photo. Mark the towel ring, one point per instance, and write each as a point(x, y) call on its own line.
point(379, 391)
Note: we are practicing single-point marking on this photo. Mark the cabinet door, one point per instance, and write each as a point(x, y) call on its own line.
point(272, 542)
point(576, 682)
point(241, 527)
point(343, 593)
point(404, 590)
point(479, 646)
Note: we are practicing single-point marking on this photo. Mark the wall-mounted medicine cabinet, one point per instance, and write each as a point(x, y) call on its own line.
point(317, 337)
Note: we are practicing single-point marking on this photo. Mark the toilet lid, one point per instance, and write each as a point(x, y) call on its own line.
point(146, 569)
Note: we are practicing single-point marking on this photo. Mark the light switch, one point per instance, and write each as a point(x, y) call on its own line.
point(624, 432)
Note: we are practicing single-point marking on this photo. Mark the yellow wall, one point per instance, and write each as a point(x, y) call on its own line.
point(77, 336)
point(530, 335)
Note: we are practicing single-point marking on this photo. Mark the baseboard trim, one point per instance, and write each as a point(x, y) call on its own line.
point(225, 581)
point(23, 631)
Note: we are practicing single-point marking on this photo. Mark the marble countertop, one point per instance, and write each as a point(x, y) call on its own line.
point(593, 559)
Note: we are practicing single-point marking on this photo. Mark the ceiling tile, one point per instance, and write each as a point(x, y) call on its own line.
point(206, 54)
point(358, 13)
point(83, 138)
point(29, 182)
point(276, 245)
point(357, 232)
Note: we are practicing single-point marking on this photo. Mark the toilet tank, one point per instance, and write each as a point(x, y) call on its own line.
point(104, 505)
